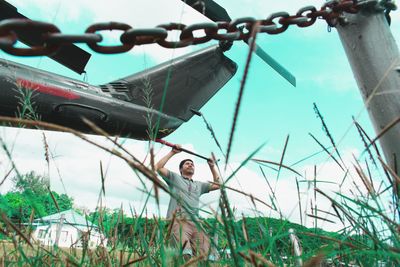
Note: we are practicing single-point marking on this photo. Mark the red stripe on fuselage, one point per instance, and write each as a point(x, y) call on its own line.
point(47, 89)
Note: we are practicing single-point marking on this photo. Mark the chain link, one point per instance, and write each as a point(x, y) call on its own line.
point(209, 28)
point(8, 30)
point(50, 39)
point(174, 44)
point(143, 36)
point(109, 26)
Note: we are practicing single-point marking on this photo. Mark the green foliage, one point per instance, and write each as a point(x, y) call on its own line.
point(32, 182)
point(31, 195)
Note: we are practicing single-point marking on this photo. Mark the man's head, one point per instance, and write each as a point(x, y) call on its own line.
point(186, 167)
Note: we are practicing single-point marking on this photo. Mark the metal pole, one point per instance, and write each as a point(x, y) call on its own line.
point(181, 149)
point(375, 60)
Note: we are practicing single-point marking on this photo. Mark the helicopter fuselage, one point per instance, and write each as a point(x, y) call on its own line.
point(31, 93)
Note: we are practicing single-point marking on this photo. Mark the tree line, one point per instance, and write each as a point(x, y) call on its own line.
point(31, 197)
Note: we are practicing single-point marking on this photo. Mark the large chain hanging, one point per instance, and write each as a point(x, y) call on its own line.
point(51, 39)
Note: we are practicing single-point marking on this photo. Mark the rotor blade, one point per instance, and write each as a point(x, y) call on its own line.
point(210, 9)
point(70, 56)
point(274, 64)
point(215, 12)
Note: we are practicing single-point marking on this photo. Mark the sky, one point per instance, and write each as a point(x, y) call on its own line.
point(272, 110)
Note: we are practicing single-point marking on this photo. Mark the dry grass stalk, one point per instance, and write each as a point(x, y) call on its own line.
point(103, 188)
point(262, 259)
point(299, 201)
point(314, 261)
point(369, 174)
point(32, 216)
point(243, 193)
point(194, 260)
point(46, 149)
point(171, 223)
point(384, 130)
point(54, 199)
point(327, 212)
point(156, 191)
point(216, 216)
point(278, 164)
point(395, 177)
point(342, 243)
point(353, 219)
point(345, 212)
point(245, 257)
point(328, 134)
point(6, 176)
point(103, 133)
point(370, 188)
point(253, 35)
point(227, 218)
point(135, 261)
point(283, 155)
point(246, 238)
point(153, 234)
point(320, 218)
point(15, 228)
point(362, 133)
point(326, 150)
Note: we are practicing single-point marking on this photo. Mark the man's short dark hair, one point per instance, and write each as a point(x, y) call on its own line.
point(183, 162)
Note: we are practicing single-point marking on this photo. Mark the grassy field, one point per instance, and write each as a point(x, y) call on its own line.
point(370, 234)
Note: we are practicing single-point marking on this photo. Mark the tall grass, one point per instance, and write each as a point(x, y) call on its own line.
point(369, 234)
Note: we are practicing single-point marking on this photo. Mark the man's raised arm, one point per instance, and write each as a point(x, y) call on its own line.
point(215, 175)
point(161, 163)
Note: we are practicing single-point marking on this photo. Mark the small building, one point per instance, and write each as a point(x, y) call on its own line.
point(67, 229)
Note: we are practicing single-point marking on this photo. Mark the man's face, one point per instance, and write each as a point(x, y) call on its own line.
point(187, 167)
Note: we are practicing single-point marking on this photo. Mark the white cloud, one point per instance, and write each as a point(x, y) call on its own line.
point(262, 9)
point(335, 82)
point(160, 54)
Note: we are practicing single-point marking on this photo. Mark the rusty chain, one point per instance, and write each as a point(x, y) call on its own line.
point(52, 39)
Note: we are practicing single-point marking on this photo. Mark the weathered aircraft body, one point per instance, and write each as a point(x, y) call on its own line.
point(129, 107)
